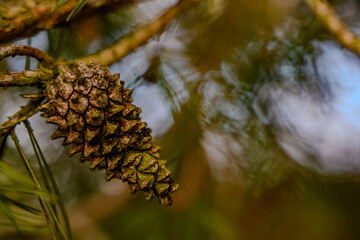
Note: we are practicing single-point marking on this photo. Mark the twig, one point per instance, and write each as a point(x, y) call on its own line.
point(24, 78)
point(124, 46)
point(25, 17)
point(27, 77)
point(24, 113)
point(334, 25)
point(24, 50)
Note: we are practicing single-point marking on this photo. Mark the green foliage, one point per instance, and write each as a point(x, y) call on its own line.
point(15, 188)
point(17, 191)
point(49, 179)
point(47, 205)
point(60, 3)
point(76, 10)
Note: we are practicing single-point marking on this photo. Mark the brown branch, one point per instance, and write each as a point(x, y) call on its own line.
point(25, 78)
point(334, 25)
point(24, 113)
point(23, 50)
point(122, 47)
point(24, 17)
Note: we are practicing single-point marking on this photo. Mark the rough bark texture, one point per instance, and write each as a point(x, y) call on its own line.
point(25, 78)
point(23, 50)
point(19, 18)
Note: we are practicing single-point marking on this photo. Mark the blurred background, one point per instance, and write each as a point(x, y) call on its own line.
point(255, 105)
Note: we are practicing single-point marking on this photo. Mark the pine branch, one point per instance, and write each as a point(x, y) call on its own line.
point(122, 47)
point(25, 78)
point(23, 50)
point(24, 113)
point(25, 17)
point(334, 25)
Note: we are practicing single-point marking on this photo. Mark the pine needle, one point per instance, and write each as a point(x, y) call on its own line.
point(6, 210)
point(41, 200)
point(42, 162)
point(77, 9)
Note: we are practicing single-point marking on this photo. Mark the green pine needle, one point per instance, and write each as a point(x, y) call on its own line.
point(48, 175)
point(59, 4)
point(22, 205)
point(20, 215)
point(45, 203)
point(6, 210)
point(77, 9)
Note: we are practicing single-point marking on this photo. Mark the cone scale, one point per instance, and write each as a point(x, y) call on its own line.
point(94, 113)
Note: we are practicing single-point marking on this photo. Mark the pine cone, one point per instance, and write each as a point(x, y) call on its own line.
point(94, 113)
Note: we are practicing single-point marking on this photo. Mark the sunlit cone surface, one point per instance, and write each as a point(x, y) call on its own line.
point(94, 113)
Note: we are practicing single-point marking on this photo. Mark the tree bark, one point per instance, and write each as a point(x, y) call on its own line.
point(19, 18)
